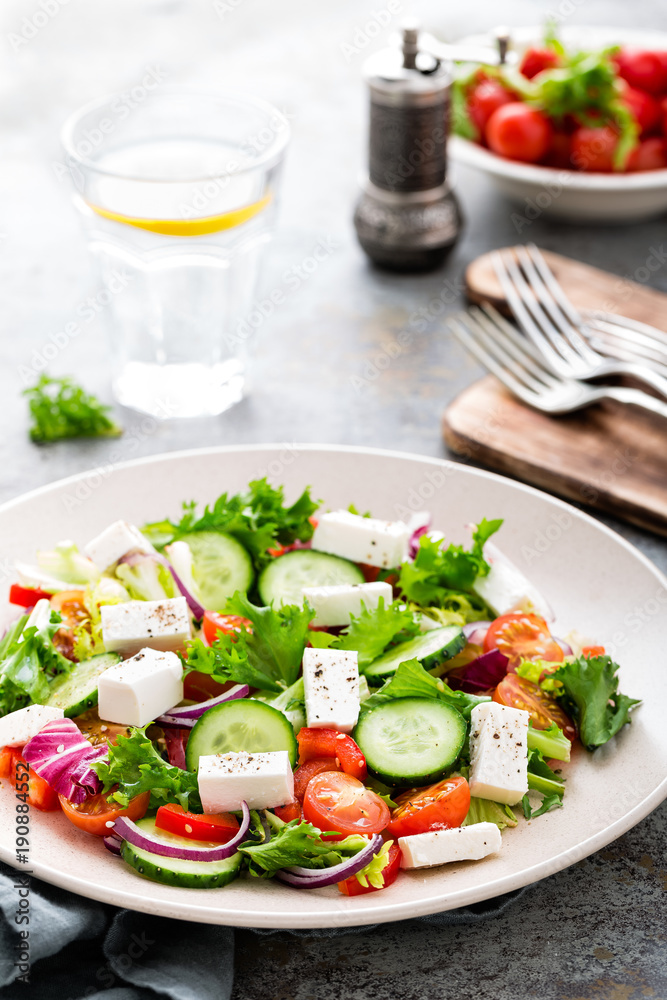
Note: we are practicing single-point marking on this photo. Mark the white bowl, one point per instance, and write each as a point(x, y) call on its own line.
point(571, 195)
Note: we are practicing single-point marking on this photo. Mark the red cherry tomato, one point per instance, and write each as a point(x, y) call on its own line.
point(289, 812)
point(6, 762)
point(216, 828)
point(519, 692)
point(215, 624)
point(26, 597)
point(645, 109)
point(25, 781)
point(439, 807)
point(593, 148)
point(589, 651)
point(308, 770)
point(560, 151)
point(643, 69)
point(96, 812)
point(650, 154)
point(330, 743)
point(537, 60)
point(484, 99)
point(518, 132)
point(337, 801)
point(521, 636)
point(353, 887)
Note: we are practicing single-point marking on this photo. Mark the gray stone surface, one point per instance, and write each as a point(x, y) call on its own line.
point(594, 932)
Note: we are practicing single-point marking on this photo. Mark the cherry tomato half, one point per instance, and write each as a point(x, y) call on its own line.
point(519, 692)
point(26, 597)
point(331, 743)
point(289, 812)
point(97, 811)
point(337, 801)
point(522, 636)
point(26, 782)
point(214, 624)
point(590, 651)
point(352, 887)
point(308, 770)
point(216, 828)
point(519, 132)
point(439, 807)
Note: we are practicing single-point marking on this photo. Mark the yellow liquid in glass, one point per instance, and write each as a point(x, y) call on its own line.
point(188, 227)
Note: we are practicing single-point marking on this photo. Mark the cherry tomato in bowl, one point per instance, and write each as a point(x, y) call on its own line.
point(485, 98)
point(519, 132)
point(522, 636)
point(536, 60)
point(643, 69)
point(519, 692)
point(337, 801)
point(96, 813)
point(439, 807)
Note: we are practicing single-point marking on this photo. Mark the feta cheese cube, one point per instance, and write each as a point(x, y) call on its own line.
point(128, 627)
point(20, 726)
point(263, 780)
point(115, 542)
point(441, 847)
point(362, 539)
point(334, 605)
point(331, 686)
point(498, 753)
point(140, 689)
point(506, 589)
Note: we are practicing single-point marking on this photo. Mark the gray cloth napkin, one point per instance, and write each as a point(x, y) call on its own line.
point(80, 948)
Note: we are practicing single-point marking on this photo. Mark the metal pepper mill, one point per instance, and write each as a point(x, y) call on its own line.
point(407, 218)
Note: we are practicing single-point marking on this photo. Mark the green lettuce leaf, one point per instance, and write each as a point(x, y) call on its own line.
point(296, 843)
point(258, 519)
point(411, 680)
point(372, 632)
point(444, 577)
point(541, 778)
point(551, 742)
point(554, 801)
point(28, 663)
point(135, 765)
point(590, 696)
point(486, 811)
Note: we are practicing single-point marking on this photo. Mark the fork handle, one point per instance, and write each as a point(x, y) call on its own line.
point(636, 397)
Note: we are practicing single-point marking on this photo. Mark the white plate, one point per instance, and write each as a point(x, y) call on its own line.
point(595, 581)
point(570, 194)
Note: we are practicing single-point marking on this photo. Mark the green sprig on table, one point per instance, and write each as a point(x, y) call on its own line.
point(61, 409)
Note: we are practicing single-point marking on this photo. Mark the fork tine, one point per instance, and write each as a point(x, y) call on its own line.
point(543, 292)
point(460, 325)
point(515, 359)
point(518, 346)
point(519, 296)
point(556, 289)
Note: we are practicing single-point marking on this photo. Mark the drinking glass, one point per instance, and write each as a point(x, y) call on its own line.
point(178, 194)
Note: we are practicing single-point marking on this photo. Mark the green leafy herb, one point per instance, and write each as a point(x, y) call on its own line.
point(297, 843)
point(445, 577)
point(591, 697)
point(28, 663)
point(554, 801)
point(411, 680)
point(372, 632)
point(551, 742)
point(258, 519)
point(268, 658)
point(61, 409)
point(135, 765)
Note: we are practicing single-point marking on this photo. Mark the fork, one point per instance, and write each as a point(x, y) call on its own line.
point(520, 367)
point(554, 326)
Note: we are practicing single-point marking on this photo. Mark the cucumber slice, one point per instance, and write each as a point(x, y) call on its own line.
point(76, 692)
point(221, 566)
point(244, 724)
point(174, 871)
point(430, 649)
point(283, 579)
point(411, 741)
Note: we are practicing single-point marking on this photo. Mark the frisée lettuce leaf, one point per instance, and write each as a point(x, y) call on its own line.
point(135, 766)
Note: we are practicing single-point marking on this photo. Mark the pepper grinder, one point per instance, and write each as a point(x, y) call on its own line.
point(407, 218)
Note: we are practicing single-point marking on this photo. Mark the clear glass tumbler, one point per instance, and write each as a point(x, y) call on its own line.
point(178, 195)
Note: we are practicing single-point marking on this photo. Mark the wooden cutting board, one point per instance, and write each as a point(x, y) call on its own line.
point(609, 457)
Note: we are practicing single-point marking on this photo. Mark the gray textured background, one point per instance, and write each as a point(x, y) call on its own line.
point(594, 932)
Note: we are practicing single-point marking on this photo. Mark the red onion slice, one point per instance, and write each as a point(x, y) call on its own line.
point(130, 832)
point(318, 878)
point(195, 712)
point(475, 632)
point(175, 740)
point(112, 843)
point(565, 646)
point(171, 722)
point(481, 674)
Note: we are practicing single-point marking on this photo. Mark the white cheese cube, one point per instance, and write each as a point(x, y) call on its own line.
point(263, 780)
point(498, 753)
point(334, 605)
point(128, 627)
point(20, 726)
point(115, 542)
point(140, 689)
point(331, 687)
point(441, 847)
point(362, 539)
point(506, 589)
